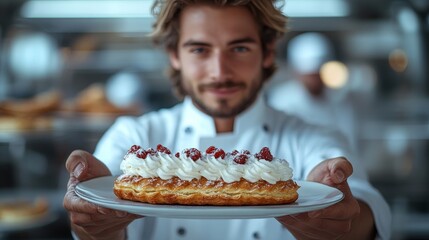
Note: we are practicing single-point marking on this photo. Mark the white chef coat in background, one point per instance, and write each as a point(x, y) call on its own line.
point(333, 108)
point(184, 126)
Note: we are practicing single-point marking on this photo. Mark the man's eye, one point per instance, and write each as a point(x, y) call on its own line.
point(241, 49)
point(198, 50)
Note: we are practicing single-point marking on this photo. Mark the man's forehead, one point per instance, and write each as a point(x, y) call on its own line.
point(204, 23)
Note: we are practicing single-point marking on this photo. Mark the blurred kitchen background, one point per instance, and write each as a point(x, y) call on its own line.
point(68, 68)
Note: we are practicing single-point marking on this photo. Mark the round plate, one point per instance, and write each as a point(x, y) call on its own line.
point(312, 196)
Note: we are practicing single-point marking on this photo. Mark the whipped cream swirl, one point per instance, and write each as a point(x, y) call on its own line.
point(166, 166)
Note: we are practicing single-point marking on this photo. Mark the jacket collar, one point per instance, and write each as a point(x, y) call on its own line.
point(195, 121)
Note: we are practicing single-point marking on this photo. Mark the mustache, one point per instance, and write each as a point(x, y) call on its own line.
point(217, 85)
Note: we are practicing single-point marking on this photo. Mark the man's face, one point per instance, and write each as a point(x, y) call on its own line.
point(220, 58)
point(313, 83)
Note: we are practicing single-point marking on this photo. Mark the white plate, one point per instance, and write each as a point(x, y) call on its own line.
point(312, 196)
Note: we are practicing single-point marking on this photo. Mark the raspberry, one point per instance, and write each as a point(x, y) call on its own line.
point(177, 155)
point(193, 153)
point(211, 150)
point(150, 151)
point(264, 154)
point(163, 149)
point(219, 153)
point(134, 149)
point(141, 154)
point(216, 152)
point(240, 159)
point(235, 152)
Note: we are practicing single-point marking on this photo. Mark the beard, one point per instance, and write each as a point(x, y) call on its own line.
point(224, 108)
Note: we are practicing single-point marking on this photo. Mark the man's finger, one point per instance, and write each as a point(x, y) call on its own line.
point(340, 169)
point(331, 172)
point(85, 166)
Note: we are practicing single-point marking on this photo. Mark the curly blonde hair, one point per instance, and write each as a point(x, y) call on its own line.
point(166, 27)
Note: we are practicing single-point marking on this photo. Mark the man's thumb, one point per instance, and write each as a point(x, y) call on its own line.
point(84, 166)
point(332, 171)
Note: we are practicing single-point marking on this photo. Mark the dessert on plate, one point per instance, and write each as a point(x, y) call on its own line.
point(213, 177)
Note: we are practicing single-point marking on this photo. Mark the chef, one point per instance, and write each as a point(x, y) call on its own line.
point(221, 54)
point(308, 97)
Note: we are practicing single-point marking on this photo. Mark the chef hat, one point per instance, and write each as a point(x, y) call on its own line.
point(307, 52)
point(124, 88)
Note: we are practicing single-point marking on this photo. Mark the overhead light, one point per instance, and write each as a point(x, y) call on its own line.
point(334, 74)
point(316, 8)
point(87, 9)
point(34, 56)
point(408, 20)
point(398, 60)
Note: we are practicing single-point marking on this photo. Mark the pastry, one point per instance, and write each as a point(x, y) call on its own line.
point(213, 177)
point(23, 124)
point(23, 210)
point(29, 114)
point(93, 100)
point(42, 103)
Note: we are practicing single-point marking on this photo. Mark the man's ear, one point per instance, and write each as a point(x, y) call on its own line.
point(269, 55)
point(174, 60)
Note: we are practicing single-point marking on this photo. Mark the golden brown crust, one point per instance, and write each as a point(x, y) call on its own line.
point(204, 192)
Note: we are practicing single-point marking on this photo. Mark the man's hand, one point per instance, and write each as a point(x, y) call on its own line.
point(332, 222)
point(88, 220)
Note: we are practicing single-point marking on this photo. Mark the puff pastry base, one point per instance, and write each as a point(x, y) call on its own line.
point(204, 192)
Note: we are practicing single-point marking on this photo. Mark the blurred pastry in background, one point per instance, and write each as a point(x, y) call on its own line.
point(29, 114)
point(43, 103)
point(22, 123)
point(21, 211)
point(93, 99)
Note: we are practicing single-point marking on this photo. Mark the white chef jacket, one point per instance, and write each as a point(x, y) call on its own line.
point(184, 126)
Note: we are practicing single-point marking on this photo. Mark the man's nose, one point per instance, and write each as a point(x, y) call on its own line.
point(220, 67)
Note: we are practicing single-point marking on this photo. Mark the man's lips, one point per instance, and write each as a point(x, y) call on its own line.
point(224, 88)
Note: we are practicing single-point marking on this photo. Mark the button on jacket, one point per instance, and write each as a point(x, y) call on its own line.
point(184, 126)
